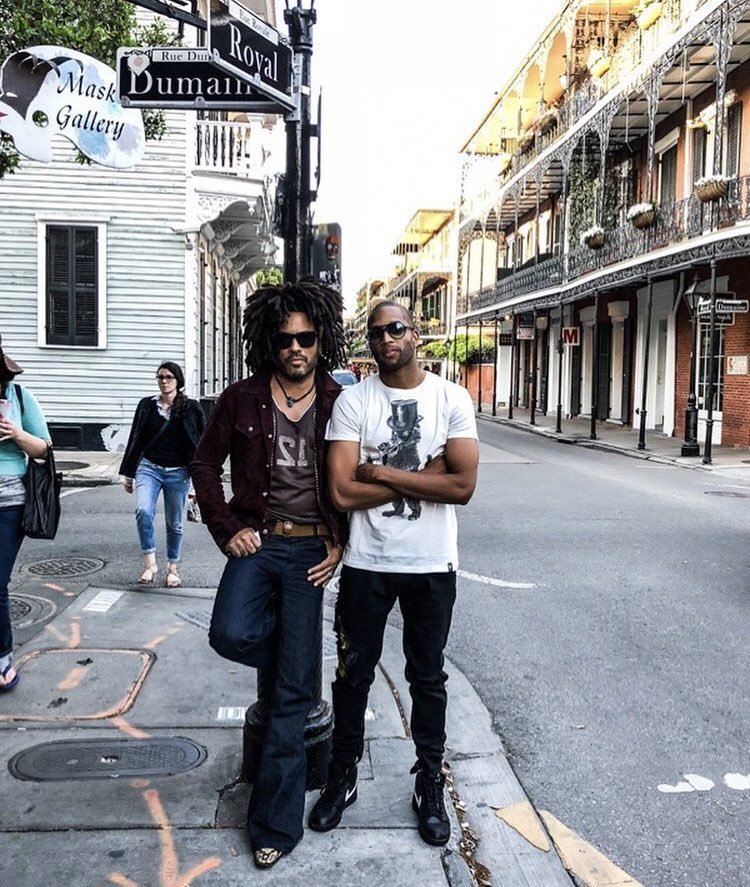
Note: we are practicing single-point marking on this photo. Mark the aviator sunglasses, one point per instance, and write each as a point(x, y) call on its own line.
point(282, 341)
point(395, 329)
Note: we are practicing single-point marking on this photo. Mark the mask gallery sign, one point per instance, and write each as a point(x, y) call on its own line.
point(50, 90)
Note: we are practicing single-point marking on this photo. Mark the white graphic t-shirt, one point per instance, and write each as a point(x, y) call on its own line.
point(403, 428)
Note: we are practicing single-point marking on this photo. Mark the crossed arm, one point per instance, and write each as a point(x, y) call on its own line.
point(449, 479)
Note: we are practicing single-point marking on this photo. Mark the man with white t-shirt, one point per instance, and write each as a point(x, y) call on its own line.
point(403, 453)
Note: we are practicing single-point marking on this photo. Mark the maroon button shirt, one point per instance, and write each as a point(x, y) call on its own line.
point(242, 427)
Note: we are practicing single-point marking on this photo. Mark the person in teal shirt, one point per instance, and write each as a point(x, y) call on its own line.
point(23, 434)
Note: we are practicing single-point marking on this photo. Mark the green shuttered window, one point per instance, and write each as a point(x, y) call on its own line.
point(72, 285)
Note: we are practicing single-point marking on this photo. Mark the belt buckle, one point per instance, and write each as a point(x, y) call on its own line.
point(287, 528)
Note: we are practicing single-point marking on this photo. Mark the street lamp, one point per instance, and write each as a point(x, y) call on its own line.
point(690, 446)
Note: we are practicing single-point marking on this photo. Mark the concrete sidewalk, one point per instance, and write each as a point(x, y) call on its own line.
point(150, 794)
point(624, 440)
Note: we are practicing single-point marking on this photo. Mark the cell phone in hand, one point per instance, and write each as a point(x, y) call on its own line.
point(6, 409)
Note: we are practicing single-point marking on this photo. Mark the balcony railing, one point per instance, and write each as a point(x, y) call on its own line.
point(677, 223)
point(433, 327)
point(223, 147)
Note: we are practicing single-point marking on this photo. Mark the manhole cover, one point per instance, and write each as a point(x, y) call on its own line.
point(69, 566)
point(71, 466)
point(106, 759)
point(727, 494)
point(25, 610)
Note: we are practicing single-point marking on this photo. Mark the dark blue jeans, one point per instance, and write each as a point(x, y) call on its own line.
point(11, 537)
point(267, 615)
point(364, 602)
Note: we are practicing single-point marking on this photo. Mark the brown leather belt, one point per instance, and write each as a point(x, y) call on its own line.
point(288, 528)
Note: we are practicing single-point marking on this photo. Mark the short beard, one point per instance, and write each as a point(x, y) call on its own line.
point(407, 353)
point(298, 375)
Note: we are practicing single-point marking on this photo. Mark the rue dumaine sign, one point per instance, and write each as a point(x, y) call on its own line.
point(50, 90)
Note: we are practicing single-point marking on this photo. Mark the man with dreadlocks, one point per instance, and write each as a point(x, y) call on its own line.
point(281, 534)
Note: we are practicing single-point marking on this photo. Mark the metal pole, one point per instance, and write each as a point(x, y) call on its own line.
point(558, 423)
point(494, 374)
point(534, 360)
point(512, 365)
point(297, 257)
point(297, 264)
point(479, 384)
point(710, 379)
point(690, 446)
point(595, 368)
point(646, 346)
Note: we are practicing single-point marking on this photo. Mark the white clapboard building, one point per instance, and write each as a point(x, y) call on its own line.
point(104, 273)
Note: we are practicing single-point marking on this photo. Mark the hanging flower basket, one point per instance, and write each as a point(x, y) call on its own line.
point(642, 215)
point(593, 237)
point(648, 13)
point(711, 188)
point(598, 63)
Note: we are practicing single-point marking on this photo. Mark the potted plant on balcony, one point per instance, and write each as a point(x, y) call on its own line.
point(526, 140)
point(548, 121)
point(647, 13)
point(712, 187)
point(598, 63)
point(642, 215)
point(593, 237)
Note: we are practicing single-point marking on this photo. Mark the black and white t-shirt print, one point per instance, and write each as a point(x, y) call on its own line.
point(403, 428)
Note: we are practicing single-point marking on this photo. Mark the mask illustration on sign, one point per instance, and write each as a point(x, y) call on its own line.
point(50, 90)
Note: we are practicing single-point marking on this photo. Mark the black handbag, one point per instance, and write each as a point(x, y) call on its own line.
point(41, 513)
point(42, 482)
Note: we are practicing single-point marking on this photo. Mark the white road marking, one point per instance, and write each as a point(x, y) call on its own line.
point(738, 781)
point(231, 713)
point(73, 491)
point(102, 602)
point(499, 583)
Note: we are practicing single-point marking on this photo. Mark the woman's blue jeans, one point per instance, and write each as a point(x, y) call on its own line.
point(11, 537)
point(150, 480)
point(267, 615)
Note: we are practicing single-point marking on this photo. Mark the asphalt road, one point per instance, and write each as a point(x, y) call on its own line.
point(625, 667)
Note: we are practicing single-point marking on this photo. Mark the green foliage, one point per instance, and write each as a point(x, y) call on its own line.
point(465, 349)
point(436, 349)
point(96, 27)
point(269, 277)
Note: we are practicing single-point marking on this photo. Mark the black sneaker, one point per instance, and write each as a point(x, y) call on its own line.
point(340, 791)
point(427, 801)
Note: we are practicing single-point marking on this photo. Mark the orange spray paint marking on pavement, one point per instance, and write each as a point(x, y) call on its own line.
point(169, 868)
point(72, 641)
point(131, 731)
point(74, 678)
point(163, 637)
point(54, 587)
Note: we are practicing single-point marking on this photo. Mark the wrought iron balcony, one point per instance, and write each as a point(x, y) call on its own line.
point(434, 327)
point(679, 223)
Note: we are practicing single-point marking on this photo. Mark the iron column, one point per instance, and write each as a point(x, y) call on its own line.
point(646, 348)
point(710, 375)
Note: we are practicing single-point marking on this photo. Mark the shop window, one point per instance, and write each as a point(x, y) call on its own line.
point(668, 176)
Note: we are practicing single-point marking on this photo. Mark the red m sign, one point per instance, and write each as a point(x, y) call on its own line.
point(570, 335)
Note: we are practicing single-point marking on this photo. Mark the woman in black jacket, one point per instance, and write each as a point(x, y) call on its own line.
point(165, 432)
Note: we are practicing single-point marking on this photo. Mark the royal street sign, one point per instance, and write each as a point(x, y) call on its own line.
point(244, 45)
point(183, 78)
point(50, 90)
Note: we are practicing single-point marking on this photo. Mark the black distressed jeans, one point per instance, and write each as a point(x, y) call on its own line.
point(365, 599)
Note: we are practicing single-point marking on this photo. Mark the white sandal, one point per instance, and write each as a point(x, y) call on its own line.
point(148, 575)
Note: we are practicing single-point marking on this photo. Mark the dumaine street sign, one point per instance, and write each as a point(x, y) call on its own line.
point(244, 45)
point(183, 78)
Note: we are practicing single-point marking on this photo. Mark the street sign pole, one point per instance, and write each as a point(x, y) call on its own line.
point(297, 234)
point(707, 447)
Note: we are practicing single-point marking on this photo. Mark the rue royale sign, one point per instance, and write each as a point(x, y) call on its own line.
point(183, 78)
point(244, 45)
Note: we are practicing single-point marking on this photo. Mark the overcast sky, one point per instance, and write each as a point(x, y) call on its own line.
point(404, 83)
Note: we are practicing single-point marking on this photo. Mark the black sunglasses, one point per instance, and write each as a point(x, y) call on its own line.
point(395, 329)
point(164, 378)
point(282, 341)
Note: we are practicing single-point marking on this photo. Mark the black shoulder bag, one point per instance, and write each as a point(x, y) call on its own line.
point(42, 481)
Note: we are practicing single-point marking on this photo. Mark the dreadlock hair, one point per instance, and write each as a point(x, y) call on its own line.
point(269, 307)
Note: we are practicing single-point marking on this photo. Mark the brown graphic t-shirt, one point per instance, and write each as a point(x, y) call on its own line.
point(293, 496)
